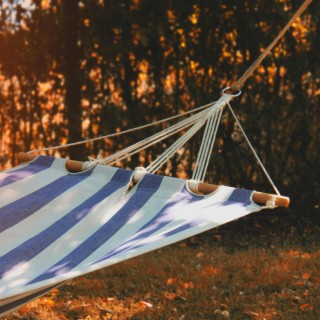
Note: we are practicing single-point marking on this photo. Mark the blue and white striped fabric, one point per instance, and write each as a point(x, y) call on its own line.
point(56, 225)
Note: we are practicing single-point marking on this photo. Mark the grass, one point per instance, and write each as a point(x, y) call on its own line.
point(261, 267)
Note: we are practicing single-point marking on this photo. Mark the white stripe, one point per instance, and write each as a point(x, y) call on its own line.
point(167, 191)
point(19, 189)
point(55, 209)
point(66, 243)
point(13, 283)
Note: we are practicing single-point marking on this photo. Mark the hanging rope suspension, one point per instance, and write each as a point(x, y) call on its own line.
point(241, 81)
point(209, 137)
point(236, 87)
point(209, 114)
point(253, 151)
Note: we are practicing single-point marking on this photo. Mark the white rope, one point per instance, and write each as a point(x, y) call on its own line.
point(125, 153)
point(207, 114)
point(254, 152)
point(203, 147)
point(206, 147)
point(144, 146)
point(122, 132)
point(209, 146)
point(209, 136)
point(165, 156)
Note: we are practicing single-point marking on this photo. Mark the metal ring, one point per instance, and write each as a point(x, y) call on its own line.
point(233, 95)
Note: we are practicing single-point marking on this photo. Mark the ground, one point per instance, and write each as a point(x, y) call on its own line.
point(266, 266)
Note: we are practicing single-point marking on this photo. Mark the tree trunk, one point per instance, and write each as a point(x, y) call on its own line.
point(72, 75)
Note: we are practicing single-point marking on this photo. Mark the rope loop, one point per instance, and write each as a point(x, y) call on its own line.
point(237, 94)
point(193, 185)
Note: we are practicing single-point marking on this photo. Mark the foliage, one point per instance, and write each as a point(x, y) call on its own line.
point(119, 64)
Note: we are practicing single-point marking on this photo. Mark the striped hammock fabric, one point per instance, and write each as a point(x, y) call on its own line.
point(56, 225)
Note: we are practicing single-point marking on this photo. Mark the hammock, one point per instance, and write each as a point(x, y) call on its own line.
point(56, 225)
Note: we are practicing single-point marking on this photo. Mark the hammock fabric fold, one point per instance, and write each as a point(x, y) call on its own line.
point(56, 225)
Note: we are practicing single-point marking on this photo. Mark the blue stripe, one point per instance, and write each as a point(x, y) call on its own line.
point(179, 229)
point(160, 220)
point(41, 241)
point(19, 210)
point(41, 163)
point(184, 227)
point(146, 188)
point(241, 196)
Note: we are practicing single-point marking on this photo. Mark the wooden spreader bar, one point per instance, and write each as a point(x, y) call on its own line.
point(258, 197)
point(203, 188)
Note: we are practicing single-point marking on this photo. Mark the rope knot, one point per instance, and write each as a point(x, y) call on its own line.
point(92, 161)
point(271, 204)
point(139, 173)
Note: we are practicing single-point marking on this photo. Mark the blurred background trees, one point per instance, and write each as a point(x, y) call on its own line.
point(71, 70)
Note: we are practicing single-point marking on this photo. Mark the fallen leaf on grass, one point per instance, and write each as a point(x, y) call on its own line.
point(108, 299)
point(217, 237)
point(299, 283)
point(296, 299)
point(171, 280)
point(106, 310)
point(183, 298)
point(306, 293)
point(146, 304)
point(211, 271)
point(189, 285)
point(305, 276)
point(222, 314)
point(171, 295)
point(25, 309)
point(252, 314)
point(47, 301)
point(199, 255)
point(15, 314)
point(294, 253)
point(306, 306)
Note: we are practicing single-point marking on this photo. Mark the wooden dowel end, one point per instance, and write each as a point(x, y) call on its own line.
point(71, 165)
point(258, 197)
point(204, 188)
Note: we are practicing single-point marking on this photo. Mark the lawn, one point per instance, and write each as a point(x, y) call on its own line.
point(262, 267)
